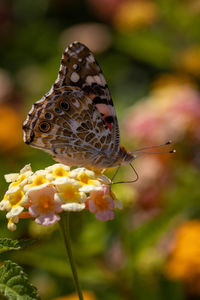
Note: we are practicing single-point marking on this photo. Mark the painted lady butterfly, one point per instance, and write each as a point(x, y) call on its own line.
point(76, 121)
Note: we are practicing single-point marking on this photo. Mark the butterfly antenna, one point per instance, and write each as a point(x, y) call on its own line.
point(157, 152)
point(142, 150)
point(153, 147)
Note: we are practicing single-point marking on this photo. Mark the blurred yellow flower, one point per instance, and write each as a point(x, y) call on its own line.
point(135, 14)
point(86, 295)
point(11, 137)
point(184, 261)
point(172, 80)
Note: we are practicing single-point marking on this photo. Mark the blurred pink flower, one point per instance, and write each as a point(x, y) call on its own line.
point(168, 113)
point(95, 36)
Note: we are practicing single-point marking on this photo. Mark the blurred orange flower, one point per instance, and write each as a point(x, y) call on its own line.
point(184, 261)
point(10, 128)
point(188, 60)
point(86, 295)
point(135, 14)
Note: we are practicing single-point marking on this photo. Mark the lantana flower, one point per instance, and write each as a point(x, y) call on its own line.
point(13, 202)
point(69, 194)
point(19, 179)
point(36, 180)
point(43, 206)
point(102, 203)
point(46, 193)
point(86, 179)
point(57, 171)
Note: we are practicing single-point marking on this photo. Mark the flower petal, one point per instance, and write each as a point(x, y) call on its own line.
point(73, 206)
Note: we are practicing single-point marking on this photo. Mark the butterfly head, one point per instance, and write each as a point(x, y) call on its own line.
point(125, 157)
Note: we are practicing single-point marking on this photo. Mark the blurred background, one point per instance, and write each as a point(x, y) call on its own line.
point(149, 51)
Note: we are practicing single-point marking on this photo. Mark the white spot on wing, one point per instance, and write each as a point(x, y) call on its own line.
point(103, 109)
point(75, 66)
point(107, 110)
point(90, 58)
point(74, 77)
point(46, 95)
point(89, 79)
point(103, 82)
point(26, 121)
point(24, 135)
point(32, 109)
point(97, 79)
point(39, 101)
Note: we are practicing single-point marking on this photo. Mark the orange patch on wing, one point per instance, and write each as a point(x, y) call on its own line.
point(92, 96)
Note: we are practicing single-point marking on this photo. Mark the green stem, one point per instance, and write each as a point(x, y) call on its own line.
point(64, 226)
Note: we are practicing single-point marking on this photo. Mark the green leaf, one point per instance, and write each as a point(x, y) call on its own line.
point(9, 244)
point(14, 283)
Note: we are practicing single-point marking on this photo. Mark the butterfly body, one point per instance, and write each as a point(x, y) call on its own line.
point(75, 121)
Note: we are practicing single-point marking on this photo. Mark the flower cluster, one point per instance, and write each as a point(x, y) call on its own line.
point(46, 193)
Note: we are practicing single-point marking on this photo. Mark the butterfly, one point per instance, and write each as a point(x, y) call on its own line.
point(76, 120)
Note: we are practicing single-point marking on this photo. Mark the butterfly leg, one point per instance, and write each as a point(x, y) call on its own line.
point(115, 174)
point(129, 181)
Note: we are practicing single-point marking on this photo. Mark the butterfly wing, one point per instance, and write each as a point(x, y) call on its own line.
point(76, 120)
point(79, 68)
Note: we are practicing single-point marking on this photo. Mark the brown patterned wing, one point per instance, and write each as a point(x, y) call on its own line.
point(79, 68)
point(66, 124)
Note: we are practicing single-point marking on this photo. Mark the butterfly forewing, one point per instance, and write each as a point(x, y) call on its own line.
point(80, 68)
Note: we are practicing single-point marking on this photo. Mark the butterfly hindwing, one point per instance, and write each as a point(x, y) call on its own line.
point(66, 125)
